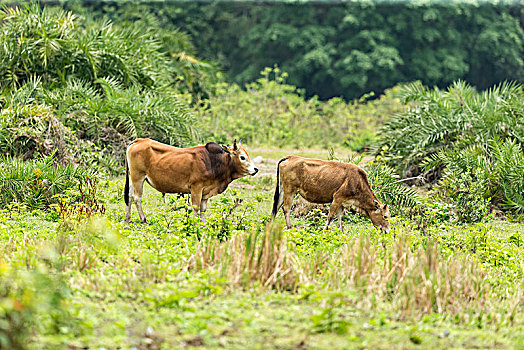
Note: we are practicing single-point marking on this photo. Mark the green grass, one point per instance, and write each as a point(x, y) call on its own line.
point(136, 285)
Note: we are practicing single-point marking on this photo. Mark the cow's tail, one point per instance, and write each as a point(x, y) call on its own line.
point(126, 187)
point(278, 191)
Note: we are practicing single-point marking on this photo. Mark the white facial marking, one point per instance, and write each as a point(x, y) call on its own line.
point(250, 166)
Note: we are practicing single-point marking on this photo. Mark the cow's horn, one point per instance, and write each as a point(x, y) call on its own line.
point(235, 146)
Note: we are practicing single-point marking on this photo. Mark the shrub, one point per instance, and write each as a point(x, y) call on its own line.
point(472, 141)
point(271, 113)
point(36, 183)
point(459, 116)
point(475, 176)
point(86, 88)
point(58, 44)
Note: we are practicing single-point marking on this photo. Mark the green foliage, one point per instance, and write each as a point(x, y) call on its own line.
point(471, 141)
point(114, 116)
point(272, 113)
point(86, 88)
point(328, 320)
point(478, 174)
point(56, 45)
point(36, 183)
point(467, 193)
point(349, 48)
point(387, 186)
point(438, 119)
point(186, 71)
point(31, 300)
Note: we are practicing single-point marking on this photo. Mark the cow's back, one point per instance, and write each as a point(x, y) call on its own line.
point(316, 180)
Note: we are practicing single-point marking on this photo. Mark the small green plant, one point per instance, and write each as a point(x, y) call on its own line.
point(329, 320)
point(467, 194)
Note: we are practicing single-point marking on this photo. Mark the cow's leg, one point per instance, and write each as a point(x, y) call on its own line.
point(203, 208)
point(288, 200)
point(196, 198)
point(138, 190)
point(135, 192)
point(335, 206)
point(340, 214)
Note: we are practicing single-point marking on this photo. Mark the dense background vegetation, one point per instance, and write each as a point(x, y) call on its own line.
point(348, 49)
point(76, 87)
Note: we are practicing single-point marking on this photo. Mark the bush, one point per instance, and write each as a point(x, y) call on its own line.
point(36, 183)
point(86, 88)
point(272, 113)
point(457, 117)
point(472, 143)
point(475, 176)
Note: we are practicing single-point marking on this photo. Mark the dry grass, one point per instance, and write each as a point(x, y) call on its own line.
point(412, 281)
point(257, 258)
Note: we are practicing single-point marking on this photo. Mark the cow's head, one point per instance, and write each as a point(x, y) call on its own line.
point(380, 215)
point(241, 160)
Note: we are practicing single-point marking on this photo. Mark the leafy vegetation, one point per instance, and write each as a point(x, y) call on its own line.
point(79, 85)
point(272, 113)
point(472, 143)
point(325, 288)
point(31, 299)
point(349, 48)
point(36, 184)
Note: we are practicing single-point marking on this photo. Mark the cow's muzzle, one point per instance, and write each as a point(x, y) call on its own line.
point(256, 171)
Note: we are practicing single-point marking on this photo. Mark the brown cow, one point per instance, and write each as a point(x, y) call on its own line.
point(203, 171)
point(319, 181)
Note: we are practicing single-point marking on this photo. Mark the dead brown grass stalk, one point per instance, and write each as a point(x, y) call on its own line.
point(412, 281)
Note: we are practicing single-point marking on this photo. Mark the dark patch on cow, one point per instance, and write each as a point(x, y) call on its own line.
point(215, 148)
point(217, 162)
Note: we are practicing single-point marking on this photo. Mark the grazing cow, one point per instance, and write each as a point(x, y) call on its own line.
point(319, 181)
point(203, 171)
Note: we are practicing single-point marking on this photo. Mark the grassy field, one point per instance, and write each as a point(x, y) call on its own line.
point(244, 286)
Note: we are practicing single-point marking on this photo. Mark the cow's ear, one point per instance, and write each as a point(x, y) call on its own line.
point(377, 205)
point(226, 148)
point(235, 146)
